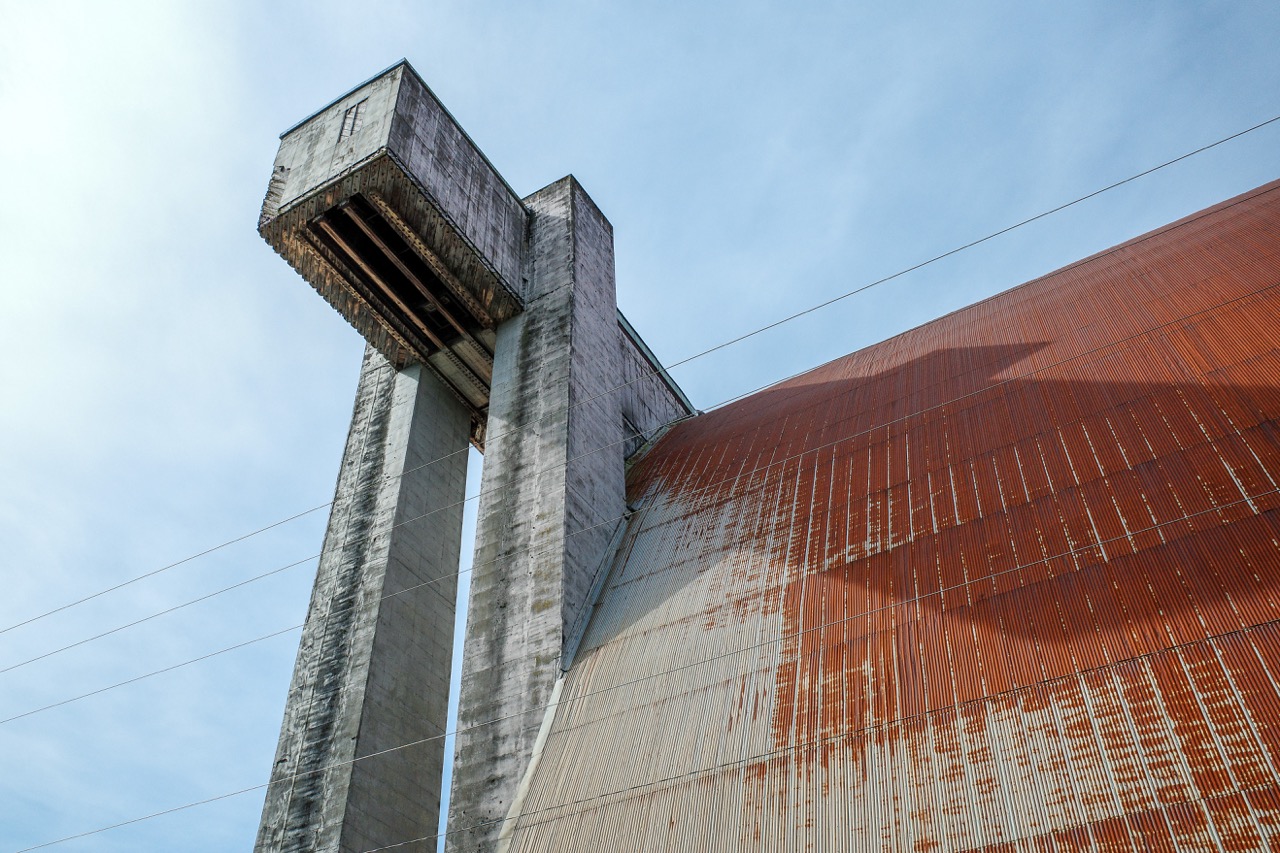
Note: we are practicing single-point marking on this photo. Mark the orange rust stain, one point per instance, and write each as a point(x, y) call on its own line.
point(1060, 505)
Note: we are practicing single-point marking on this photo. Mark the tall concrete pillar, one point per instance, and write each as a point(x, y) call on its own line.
point(552, 493)
point(493, 319)
point(373, 666)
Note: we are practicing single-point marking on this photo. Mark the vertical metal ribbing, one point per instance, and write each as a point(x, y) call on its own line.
point(1012, 581)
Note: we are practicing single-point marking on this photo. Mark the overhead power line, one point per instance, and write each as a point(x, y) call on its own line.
point(480, 494)
point(162, 569)
point(726, 480)
point(697, 355)
point(157, 615)
point(566, 701)
point(150, 674)
point(654, 675)
point(977, 242)
point(790, 748)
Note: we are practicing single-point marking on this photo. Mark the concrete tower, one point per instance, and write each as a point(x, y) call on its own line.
point(490, 319)
point(1007, 581)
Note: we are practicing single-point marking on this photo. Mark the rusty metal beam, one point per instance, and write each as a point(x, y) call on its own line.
point(373, 276)
point(486, 367)
point(316, 246)
point(431, 259)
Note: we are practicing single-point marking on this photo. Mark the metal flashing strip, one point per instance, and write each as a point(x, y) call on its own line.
point(517, 804)
point(579, 630)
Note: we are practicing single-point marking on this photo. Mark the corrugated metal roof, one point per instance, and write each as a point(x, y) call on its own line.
point(1008, 581)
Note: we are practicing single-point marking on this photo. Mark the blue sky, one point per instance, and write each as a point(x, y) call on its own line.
point(169, 384)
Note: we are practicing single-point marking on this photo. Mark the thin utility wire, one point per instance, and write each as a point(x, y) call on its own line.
point(664, 426)
point(151, 674)
point(784, 638)
point(832, 301)
point(873, 727)
point(224, 796)
point(158, 614)
point(654, 675)
point(977, 242)
point(262, 576)
point(173, 565)
point(663, 371)
point(717, 484)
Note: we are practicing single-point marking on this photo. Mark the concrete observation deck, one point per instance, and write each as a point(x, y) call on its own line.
point(404, 227)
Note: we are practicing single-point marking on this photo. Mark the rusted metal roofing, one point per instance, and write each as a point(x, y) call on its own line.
point(1007, 581)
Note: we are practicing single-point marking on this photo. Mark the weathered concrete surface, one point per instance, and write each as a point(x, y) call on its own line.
point(649, 398)
point(483, 220)
point(372, 670)
point(552, 491)
point(436, 221)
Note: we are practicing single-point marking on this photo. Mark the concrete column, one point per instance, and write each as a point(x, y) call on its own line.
point(373, 666)
point(553, 489)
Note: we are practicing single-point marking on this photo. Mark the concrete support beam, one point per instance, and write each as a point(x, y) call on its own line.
point(373, 667)
point(553, 489)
